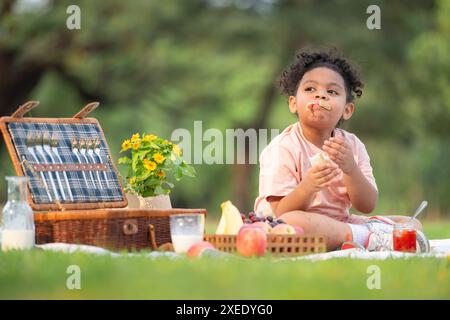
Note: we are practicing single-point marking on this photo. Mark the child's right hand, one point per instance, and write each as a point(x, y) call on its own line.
point(320, 176)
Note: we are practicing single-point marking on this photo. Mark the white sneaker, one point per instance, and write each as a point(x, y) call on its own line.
point(379, 241)
point(379, 223)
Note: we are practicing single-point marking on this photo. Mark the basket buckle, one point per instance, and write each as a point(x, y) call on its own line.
point(130, 226)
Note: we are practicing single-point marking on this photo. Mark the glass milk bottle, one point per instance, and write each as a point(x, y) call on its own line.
point(17, 221)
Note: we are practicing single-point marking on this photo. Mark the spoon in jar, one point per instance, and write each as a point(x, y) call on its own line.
point(419, 210)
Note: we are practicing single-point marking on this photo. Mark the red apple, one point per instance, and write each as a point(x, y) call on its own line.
point(251, 241)
point(284, 228)
point(265, 226)
point(197, 249)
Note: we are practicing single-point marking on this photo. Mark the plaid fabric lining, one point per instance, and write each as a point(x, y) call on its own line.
point(83, 190)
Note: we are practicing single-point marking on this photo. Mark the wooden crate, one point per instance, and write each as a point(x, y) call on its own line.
point(277, 245)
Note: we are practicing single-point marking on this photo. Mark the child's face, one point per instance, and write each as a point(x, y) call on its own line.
point(321, 99)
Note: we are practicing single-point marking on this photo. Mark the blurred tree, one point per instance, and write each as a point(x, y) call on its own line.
point(430, 105)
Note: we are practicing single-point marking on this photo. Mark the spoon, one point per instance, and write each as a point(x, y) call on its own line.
point(419, 210)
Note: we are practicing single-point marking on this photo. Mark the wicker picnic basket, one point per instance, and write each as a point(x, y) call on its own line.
point(82, 210)
point(277, 244)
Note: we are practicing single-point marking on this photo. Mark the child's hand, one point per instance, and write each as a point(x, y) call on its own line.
point(340, 152)
point(320, 176)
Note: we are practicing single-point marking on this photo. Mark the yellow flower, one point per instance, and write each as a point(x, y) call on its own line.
point(149, 165)
point(159, 158)
point(133, 180)
point(126, 145)
point(135, 137)
point(149, 137)
point(136, 145)
point(160, 174)
point(177, 150)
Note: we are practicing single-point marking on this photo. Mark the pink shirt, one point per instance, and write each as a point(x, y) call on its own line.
point(287, 158)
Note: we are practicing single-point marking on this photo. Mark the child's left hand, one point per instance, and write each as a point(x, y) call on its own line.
point(340, 152)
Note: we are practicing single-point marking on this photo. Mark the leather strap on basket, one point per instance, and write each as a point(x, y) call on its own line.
point(69, 167)
point(24, 108)
point(86, 110)
point(152, 237)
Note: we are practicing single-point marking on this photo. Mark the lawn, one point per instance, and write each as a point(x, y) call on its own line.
point(42, 275)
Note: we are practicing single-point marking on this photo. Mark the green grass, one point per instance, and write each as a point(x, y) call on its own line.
point(437, 229)
point(42, 275)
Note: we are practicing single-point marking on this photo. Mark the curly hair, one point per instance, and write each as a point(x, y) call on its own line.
point(307, 61)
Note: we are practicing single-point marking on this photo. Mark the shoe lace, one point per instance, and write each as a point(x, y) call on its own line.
point(383, 240)
point(379, 226)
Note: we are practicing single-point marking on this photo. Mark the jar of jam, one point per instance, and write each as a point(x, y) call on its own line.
point(404, 237)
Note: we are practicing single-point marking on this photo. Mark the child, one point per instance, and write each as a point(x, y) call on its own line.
point(321, 88)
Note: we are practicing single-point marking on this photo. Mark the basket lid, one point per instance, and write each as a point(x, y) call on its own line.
point(67, 160)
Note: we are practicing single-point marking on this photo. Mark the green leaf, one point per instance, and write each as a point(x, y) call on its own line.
point(154, 145)
point(135, 161)
point(187, 170)
point(159, 190)
point(178, 173)
point(168, 184)
point(124, 160)
point(142, 153)
point(151, 182)
point(148, 193)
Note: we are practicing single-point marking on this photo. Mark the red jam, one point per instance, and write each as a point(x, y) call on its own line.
point(404, 240)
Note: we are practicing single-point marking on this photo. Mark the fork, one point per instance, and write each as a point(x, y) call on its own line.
point(48, 150)
point(40, 152)
point(90, 152)
point(29, 141)
point(82, 148)
point(54, 145)
point(96, 145)
point(76, 152)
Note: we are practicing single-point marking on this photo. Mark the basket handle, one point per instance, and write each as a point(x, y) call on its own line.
point(86, 110)
point(152, 237)
point(24, 108)
point(164, 247)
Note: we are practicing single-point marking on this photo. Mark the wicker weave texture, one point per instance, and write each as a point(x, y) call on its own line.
point(277, 245)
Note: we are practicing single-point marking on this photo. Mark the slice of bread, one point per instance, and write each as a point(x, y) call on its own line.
point(319, 158)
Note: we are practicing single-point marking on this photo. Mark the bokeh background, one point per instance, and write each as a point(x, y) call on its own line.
point(160, 65)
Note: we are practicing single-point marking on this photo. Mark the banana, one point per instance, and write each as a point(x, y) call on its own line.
point(221, 227)
point(231, 220)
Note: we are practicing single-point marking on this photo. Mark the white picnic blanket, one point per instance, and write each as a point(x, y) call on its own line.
point(440, 248)
point(82, 248)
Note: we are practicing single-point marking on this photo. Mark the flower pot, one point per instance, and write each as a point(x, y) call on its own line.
point(156, 202)
point(133, 201)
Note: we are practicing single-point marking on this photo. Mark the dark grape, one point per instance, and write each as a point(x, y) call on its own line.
point(280, 221)
point(269, 218)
